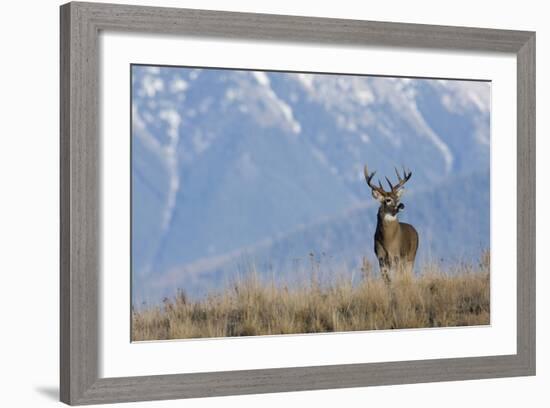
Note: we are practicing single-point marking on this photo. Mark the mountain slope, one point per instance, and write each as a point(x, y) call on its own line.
point(227, 163)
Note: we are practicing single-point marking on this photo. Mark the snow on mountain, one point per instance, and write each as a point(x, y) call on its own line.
point(227, 163)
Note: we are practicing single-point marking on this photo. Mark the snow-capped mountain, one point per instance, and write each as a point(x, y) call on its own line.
point(231, 167)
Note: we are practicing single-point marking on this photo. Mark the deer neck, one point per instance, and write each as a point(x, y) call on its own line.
point(388, 225)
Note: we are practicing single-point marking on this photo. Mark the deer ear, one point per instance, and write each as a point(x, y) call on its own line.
point(377, 195)
point(399, 192)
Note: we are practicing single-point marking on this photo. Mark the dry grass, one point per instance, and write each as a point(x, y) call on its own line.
point(251, 307)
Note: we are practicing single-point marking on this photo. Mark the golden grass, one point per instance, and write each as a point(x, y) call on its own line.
point(251, 307)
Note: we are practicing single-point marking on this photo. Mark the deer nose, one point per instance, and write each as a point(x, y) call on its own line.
point(401, 206)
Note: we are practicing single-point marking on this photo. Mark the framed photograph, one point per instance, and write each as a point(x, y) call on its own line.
point(259, 203)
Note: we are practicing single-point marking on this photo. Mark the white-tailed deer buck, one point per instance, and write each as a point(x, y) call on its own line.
point(395, 243)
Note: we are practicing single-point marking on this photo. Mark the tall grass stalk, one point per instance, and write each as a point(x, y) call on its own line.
point(250, 306)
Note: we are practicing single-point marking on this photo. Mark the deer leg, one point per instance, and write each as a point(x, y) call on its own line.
point(384, 270)
point(408, 268)
point(397, 267)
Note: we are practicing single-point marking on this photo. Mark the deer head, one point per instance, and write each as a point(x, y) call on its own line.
point(389, 200)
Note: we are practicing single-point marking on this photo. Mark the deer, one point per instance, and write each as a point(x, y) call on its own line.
point(395, 243)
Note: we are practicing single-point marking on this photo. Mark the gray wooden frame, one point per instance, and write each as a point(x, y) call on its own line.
point(80, 234)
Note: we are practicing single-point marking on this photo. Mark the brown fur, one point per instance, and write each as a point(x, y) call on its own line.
point(395, 245)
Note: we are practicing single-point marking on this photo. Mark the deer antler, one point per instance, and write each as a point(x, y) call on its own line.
point(402, 180)
point(368, 178)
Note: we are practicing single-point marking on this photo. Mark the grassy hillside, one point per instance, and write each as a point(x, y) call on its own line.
point(253, 307)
